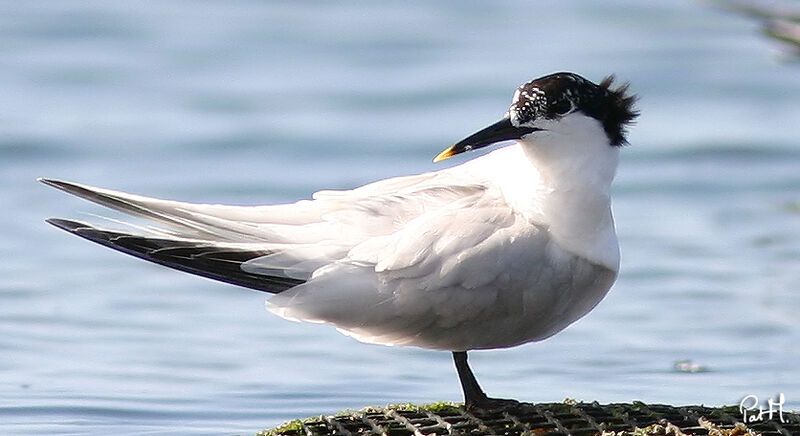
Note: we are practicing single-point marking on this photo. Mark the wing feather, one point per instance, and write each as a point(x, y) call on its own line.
point(211, 260)
point(269, 248)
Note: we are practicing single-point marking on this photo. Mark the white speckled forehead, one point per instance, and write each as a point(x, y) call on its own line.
point(527, 102)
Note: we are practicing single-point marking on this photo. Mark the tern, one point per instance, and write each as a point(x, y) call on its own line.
point(507, 248)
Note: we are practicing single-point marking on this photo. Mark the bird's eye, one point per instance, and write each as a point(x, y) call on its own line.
point(561, 107)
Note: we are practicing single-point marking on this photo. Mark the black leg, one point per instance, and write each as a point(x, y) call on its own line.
point(474, 397)
point(472, 390)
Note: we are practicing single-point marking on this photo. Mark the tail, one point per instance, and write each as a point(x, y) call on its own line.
point(206, 249)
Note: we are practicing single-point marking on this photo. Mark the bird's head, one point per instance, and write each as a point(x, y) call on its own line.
point(561, 115)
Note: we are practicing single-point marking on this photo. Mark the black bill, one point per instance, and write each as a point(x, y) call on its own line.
point(502, 130)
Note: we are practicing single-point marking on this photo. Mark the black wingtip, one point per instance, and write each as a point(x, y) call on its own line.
point(194, 257)
point(66, 187)
point(50, 182)
point(68, 225)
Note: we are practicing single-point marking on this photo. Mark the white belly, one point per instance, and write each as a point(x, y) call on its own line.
point(536, 294)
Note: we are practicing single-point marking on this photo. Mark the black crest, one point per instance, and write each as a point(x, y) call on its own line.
point(558, 94)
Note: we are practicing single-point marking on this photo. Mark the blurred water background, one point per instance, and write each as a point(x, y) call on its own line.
point(254, 102)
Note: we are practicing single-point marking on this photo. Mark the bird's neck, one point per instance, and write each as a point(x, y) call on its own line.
point(575, 203)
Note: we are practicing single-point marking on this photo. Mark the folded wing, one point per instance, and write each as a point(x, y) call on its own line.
point(268, 248)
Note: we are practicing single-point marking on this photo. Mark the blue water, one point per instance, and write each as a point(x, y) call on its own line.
point(259, 102)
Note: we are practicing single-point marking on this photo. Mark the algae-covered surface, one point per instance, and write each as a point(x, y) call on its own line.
point(568, 418)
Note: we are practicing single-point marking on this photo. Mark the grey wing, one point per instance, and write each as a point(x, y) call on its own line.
point(283, 244)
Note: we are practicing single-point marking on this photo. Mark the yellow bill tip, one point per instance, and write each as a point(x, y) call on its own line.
point(450, 151)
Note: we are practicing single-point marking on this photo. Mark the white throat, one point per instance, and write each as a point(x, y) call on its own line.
point(576, 166)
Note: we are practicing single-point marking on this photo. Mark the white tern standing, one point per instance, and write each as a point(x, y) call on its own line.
point(507, 248)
